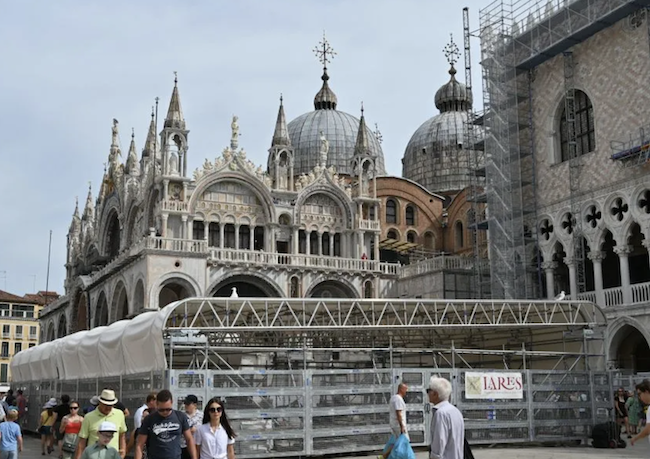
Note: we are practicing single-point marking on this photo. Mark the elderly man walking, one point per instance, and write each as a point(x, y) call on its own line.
point(105, 412)
point(447, 425)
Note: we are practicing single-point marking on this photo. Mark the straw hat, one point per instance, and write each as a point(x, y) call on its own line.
point(107, 397)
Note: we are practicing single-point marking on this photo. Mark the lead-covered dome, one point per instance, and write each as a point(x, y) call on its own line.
point(340, 130)
point(437, 156)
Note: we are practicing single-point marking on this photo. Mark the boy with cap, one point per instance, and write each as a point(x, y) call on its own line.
point(105, 412)
point(101, 449)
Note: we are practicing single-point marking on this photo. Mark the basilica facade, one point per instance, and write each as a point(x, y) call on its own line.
point(320, 219)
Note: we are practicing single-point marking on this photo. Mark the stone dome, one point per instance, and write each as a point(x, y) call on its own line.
point(437, 156)
point(453, 95)
point(340, 129)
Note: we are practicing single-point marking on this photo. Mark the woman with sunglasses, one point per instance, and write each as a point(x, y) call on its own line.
point(215, 439)
point(70, 427)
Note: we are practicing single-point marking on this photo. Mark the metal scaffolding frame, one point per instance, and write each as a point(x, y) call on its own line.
point(516, 37)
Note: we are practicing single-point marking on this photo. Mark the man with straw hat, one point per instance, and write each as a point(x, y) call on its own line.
point(105, 412)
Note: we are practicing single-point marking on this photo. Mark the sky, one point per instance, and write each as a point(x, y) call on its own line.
point(70, 67)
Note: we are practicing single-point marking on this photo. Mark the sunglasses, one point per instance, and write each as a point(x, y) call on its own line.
point(215, 410)
point(74, 407)
point(164, 410)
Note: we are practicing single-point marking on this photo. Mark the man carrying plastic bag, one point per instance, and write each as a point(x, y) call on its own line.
point(398, 448)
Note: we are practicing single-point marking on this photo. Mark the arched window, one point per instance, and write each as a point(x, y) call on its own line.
point(295, 287)
point(392, 234)
point(391, 211)
point(459, 235)
point(411, 237)
point(410, 215)
point(584, 125)
point(429, 241)
point(368, 289)
point(198, 230)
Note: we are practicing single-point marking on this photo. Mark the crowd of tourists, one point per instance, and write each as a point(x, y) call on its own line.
point(99, 429)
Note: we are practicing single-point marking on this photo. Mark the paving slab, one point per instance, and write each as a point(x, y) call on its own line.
point(641, 450)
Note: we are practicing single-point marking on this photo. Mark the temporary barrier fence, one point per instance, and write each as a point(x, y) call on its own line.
point(315, 412)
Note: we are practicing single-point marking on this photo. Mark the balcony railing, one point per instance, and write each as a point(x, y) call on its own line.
point(441, 263)
point(174, 206)
point(372, 225)
point(249, 257)
point(19, 336)
point(33, 336)
point(640, 293)
point(177, 245)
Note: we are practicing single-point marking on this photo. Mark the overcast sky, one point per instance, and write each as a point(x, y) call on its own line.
point(70, 67)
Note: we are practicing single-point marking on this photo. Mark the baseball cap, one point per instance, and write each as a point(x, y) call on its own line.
point(191, 399)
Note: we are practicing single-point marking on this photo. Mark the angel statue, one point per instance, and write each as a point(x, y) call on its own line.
point(234, 139)
point(324, 149)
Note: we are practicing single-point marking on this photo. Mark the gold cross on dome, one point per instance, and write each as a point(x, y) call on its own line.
point(452, 53)
point(324, 52)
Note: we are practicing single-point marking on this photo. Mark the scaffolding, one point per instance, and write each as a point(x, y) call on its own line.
point(516, 37)
point(476, 162)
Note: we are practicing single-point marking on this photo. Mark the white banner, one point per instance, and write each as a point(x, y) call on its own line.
point(494, 385)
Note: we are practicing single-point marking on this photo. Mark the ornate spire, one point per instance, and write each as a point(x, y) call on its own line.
point(132, 159)
point(174, 118)
point(452, 96)
point(452, 53)
point(88, 210)
point(75, 226)
point(151, 142)
point(362, 147)
point(325, 99)
point(281, 133)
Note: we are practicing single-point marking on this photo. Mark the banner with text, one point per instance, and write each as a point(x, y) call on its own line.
point(494, 385)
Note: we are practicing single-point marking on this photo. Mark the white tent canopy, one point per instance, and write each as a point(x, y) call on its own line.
point(122, 348)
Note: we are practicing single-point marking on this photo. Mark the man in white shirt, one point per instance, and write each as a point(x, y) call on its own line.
point(447, 425)
point(397, 409)
point(150, 403)
point(397, 416)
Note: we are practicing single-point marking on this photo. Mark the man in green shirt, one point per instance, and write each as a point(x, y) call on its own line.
point(101, 449)
point(105, 412)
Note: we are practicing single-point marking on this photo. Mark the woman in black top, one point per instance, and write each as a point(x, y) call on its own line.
point(620, 397)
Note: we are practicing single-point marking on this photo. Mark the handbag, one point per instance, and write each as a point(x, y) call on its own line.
point(69, 446)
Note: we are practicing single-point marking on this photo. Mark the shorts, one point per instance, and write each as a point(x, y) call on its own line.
point(45, 430)
point(397, 432)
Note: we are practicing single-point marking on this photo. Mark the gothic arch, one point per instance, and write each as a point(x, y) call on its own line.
point(248, 284)
point(330, 191)
point(101, 311)
point(172, 287)
point(131, 232)
point(51, 332)
point(62, 326)
point(332, 286)
point(79, 319)
point(628, 344)
point(556, 115)
point(247, 180)
point(138, 297)
point(120, 302)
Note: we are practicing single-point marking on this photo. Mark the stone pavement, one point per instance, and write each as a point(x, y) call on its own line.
point(642, 450)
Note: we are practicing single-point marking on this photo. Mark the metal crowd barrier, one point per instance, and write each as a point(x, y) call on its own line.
point(316, 412)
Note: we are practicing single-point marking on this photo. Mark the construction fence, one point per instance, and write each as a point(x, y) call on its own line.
point(316, 412)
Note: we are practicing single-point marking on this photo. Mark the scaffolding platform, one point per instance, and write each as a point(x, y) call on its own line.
point(634, 152)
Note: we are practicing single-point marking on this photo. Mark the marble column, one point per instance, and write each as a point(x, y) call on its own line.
point(376, 250)
point(307, 242)
point(295, 240)
point(320, 243)
point(597, 261)
point(222, 232)
point(184, 228)
point(236, 236)
point(164, 225)
point(331, 239)
point(252, 238)
point(573, 284)
point(623, 253)
point(549, 270)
